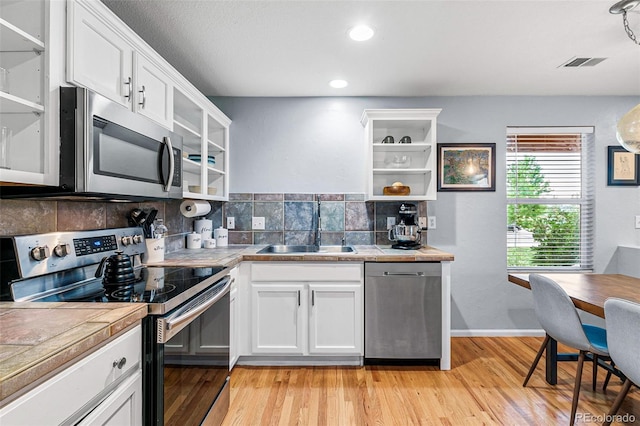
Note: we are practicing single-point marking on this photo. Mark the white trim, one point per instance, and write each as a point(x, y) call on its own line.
point(514, 130)
point(285, 361)
point(508, 332)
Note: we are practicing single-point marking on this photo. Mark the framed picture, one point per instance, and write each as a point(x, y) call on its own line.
point(623, 167)
point(467, 167)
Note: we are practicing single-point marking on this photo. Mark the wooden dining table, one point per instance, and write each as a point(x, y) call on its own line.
point(588, 293)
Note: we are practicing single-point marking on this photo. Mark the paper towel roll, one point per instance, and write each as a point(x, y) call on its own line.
point(193, 208)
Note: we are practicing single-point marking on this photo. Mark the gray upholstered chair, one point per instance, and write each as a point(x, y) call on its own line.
point(623, 323)
point(559, 318)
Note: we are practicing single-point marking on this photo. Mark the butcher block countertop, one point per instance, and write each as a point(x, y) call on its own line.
point(36, 339)
point(232, 255)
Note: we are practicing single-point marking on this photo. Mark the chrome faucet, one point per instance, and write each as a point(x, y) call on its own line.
point(318, 225)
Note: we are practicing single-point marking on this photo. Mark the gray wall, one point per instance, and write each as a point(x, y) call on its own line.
point(317, 145)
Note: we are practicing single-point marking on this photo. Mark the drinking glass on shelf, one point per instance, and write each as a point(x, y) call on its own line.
point(5, 147)
point(4, 80)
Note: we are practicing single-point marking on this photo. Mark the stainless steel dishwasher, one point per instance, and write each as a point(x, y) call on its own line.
point(402, 311)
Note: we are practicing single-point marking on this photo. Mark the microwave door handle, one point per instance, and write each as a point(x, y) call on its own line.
point(167, 142)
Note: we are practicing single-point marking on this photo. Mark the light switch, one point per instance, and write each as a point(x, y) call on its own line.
point(431, 222)
point(638, 221)
point(231, 222)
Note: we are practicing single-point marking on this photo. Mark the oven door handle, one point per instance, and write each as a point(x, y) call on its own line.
point(170, 326)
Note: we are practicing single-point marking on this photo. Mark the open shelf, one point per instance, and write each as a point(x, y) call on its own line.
point(412, 163)
point(13, 39)
point(13, 104)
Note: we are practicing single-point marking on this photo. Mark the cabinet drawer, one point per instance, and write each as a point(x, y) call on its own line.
point(68, 392)
point(308, 271)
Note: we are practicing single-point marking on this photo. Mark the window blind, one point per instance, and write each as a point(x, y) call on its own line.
point(550, 198)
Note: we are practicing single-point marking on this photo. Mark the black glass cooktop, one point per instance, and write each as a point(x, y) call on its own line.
point(154, 285)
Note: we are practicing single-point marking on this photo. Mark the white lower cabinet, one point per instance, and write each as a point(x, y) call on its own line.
point(306, 309)
point(278, 317)
point(103, 388)
point(335, 318)
point(122, 407)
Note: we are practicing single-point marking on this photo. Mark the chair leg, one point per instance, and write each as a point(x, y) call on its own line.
point(576, 388)
point(537, 359)
point(606, 379)
point(618, 402)
point(595, 372)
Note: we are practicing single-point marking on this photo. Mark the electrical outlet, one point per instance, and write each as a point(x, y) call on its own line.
point(257, 223)
point(422, 222)
point(391, 221)
point(638, 221)
point(431, 222)
point(231, 222)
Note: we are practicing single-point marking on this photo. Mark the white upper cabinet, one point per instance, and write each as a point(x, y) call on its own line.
point(153, 92)
point(99, 58)
point(31, 53)
point(102, 58)
point(411, 163)
point(205, 146)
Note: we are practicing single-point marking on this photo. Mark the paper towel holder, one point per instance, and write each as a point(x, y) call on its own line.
point(195, 208)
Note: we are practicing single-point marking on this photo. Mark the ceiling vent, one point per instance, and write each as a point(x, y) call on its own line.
point(582, 62)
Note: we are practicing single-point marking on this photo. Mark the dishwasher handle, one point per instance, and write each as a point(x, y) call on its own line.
point(404, 274)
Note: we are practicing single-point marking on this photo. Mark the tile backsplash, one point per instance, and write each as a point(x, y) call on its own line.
point(289, 218)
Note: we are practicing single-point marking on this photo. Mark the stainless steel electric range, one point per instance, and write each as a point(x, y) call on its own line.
point(185, 336)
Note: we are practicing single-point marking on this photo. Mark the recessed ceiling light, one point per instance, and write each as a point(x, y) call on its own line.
point(361, 33)
point(338, 84)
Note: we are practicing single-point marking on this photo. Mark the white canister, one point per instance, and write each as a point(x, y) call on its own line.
point(209, 243)
point(155, 250)
point(194, 241)
point(222, 237)
point(204, 227)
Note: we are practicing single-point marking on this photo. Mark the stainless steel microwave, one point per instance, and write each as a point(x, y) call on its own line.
point(110, 152)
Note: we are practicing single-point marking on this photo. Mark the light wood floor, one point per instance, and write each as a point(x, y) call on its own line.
point(484, 387)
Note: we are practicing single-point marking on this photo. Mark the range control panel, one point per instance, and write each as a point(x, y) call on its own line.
point(58, 251)
point(85, 246)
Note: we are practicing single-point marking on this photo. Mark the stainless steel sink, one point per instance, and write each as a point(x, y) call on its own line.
point(337, 249)
point(286, 249)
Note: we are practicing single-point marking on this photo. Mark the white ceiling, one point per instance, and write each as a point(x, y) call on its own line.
point(421, 48)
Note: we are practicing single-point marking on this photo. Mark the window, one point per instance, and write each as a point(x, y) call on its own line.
point(550, 202)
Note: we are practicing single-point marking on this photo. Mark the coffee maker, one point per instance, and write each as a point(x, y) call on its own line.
point(407, 233)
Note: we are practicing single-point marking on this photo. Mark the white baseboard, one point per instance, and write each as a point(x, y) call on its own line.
point(288, 361)
point(509, 332)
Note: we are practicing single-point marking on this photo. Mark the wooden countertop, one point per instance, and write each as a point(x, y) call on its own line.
point(589, 291)
point(232, 255)
point(36, 339)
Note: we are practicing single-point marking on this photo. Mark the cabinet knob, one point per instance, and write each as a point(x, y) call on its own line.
point(119, 363)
